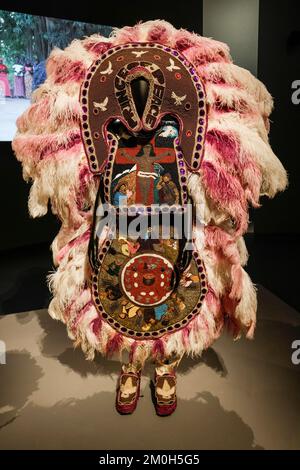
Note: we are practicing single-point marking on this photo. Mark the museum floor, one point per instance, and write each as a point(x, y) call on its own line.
point(239, 395)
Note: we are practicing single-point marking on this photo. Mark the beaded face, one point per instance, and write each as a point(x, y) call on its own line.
point(144, 284)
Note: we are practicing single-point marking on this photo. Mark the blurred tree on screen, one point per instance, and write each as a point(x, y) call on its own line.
point(30, 38)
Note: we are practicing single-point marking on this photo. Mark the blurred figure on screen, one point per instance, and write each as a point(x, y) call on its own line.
point(28, 79)
point(19, 85)
point(4, 83)
point(39, 74)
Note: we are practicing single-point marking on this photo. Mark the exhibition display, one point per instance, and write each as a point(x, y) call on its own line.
point(149, 146)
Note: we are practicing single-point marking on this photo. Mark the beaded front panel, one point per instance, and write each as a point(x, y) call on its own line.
point(141, 286)
point(146, 283)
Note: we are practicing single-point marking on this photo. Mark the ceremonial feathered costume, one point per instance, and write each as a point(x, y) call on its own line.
point(236, 168)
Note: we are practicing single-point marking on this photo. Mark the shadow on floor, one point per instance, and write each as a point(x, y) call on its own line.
point(71, 424)
point(56, 344)
point(19, 378)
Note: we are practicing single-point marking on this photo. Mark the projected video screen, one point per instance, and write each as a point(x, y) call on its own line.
point(25, 43)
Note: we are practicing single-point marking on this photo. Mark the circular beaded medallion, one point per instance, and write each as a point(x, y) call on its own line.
point(148, 279)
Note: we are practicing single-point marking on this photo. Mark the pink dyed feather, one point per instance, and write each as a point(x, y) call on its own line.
point(114, 344)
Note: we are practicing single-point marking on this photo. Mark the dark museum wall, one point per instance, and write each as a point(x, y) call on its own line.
point(225, 21)
point(278, 67)
point(17, 228)
point(264, 37)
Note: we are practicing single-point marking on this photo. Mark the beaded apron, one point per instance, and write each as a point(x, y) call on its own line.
point(147, 280)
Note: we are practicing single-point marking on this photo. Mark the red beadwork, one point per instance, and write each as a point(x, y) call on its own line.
point(147, 279)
